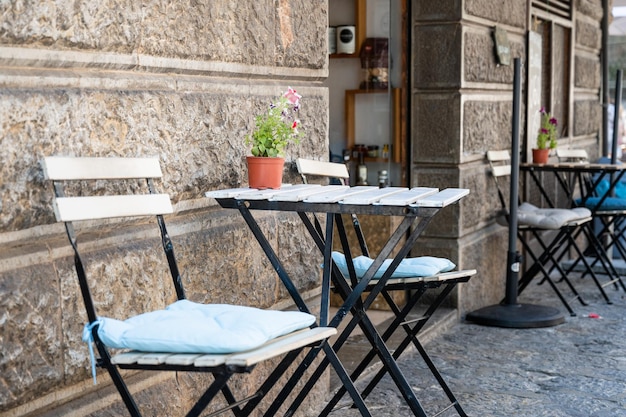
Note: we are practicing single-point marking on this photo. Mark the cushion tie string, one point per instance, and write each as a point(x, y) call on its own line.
point(88, 338)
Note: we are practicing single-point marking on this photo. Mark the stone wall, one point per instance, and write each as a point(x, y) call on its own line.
point(462, 107)
point(183, 81)
point(179, 80)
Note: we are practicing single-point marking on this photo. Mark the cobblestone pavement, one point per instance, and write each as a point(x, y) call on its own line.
point(575, 369)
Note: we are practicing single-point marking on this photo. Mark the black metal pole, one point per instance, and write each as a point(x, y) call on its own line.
point(605, 78)
point(616, 115)
point(510, 313)
point(512, 271)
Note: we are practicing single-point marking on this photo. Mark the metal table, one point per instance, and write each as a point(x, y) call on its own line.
point(416, 206)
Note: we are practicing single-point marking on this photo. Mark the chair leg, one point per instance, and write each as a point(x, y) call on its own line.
point(329, 359)
point(271, 380)
point(601, 255)
point(215, 387)
point(589, 267)
point(362, 366)
point(538, 266)
point(116, 377)
point(411, 337)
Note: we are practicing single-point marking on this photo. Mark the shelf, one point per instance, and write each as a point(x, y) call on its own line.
point(368, 91)
point(370, 159)
point(396, 101)
point(334, 56)
point(360, 29)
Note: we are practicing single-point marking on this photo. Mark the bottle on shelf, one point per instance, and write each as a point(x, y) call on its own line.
point(361, 171)
point(385, 152)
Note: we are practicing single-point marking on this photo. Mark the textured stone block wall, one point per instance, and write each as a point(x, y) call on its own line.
point(462, 107)
point(178, 80)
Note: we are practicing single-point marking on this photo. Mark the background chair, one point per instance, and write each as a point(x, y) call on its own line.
point(416, 285)
point(608, 208)
point(183, 336)
point(537, 223)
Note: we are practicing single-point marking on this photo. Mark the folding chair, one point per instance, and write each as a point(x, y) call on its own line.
point(608, 210)
point(222, 340)
point(416, 286)
point(538, 223)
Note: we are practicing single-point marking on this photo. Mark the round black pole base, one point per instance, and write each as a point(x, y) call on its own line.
point(522, 316)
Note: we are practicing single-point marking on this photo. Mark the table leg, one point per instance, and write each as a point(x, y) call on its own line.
point(331, 356)
point(360, 315)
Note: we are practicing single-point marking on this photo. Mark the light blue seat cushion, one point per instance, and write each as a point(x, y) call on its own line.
point(188, 327)
point(549, 218)
point(422, 266)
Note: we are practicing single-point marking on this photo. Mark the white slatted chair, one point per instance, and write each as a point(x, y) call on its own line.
point(537, 223)
point(417, 286)
point(198, 347)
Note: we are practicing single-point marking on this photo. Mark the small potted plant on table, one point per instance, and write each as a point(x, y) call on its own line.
point(546, 137)
point(273, 131)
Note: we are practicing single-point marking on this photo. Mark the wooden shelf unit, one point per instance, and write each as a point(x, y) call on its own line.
point(396, 101)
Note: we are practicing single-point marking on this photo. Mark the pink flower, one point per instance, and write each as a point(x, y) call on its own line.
point(553, 121)
point(292, 97)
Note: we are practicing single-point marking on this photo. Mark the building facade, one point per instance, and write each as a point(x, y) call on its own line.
point(183, 81)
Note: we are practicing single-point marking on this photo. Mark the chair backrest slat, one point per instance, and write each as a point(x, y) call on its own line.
point(69, 209)
point(501, 171)
point(498, 156)
point(321, 168)
point(567, 155)
point(500, 163)
point(94, 168)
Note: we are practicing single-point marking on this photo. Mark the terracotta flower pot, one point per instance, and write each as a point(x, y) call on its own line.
point(265, 172)
point(540, 156)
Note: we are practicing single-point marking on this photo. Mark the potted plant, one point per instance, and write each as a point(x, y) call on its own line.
point(546, 137)
point(273, 131)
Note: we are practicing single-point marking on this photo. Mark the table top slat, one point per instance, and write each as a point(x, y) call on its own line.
point(407, 197)
point(230, 193)
point(300, 194)
point(336, 195)
point(269, 194)
point(443, 198)
point(372, 196)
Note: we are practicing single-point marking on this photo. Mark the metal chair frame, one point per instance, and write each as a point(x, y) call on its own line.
point(613, 221)
point(417, 287)
point(130, 171)
point(552, 249)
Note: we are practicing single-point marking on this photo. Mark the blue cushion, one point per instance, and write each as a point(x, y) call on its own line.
point(188, 327)
point(423, 266)
point(603, 187)
point(610, 203)
point(616, 202)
